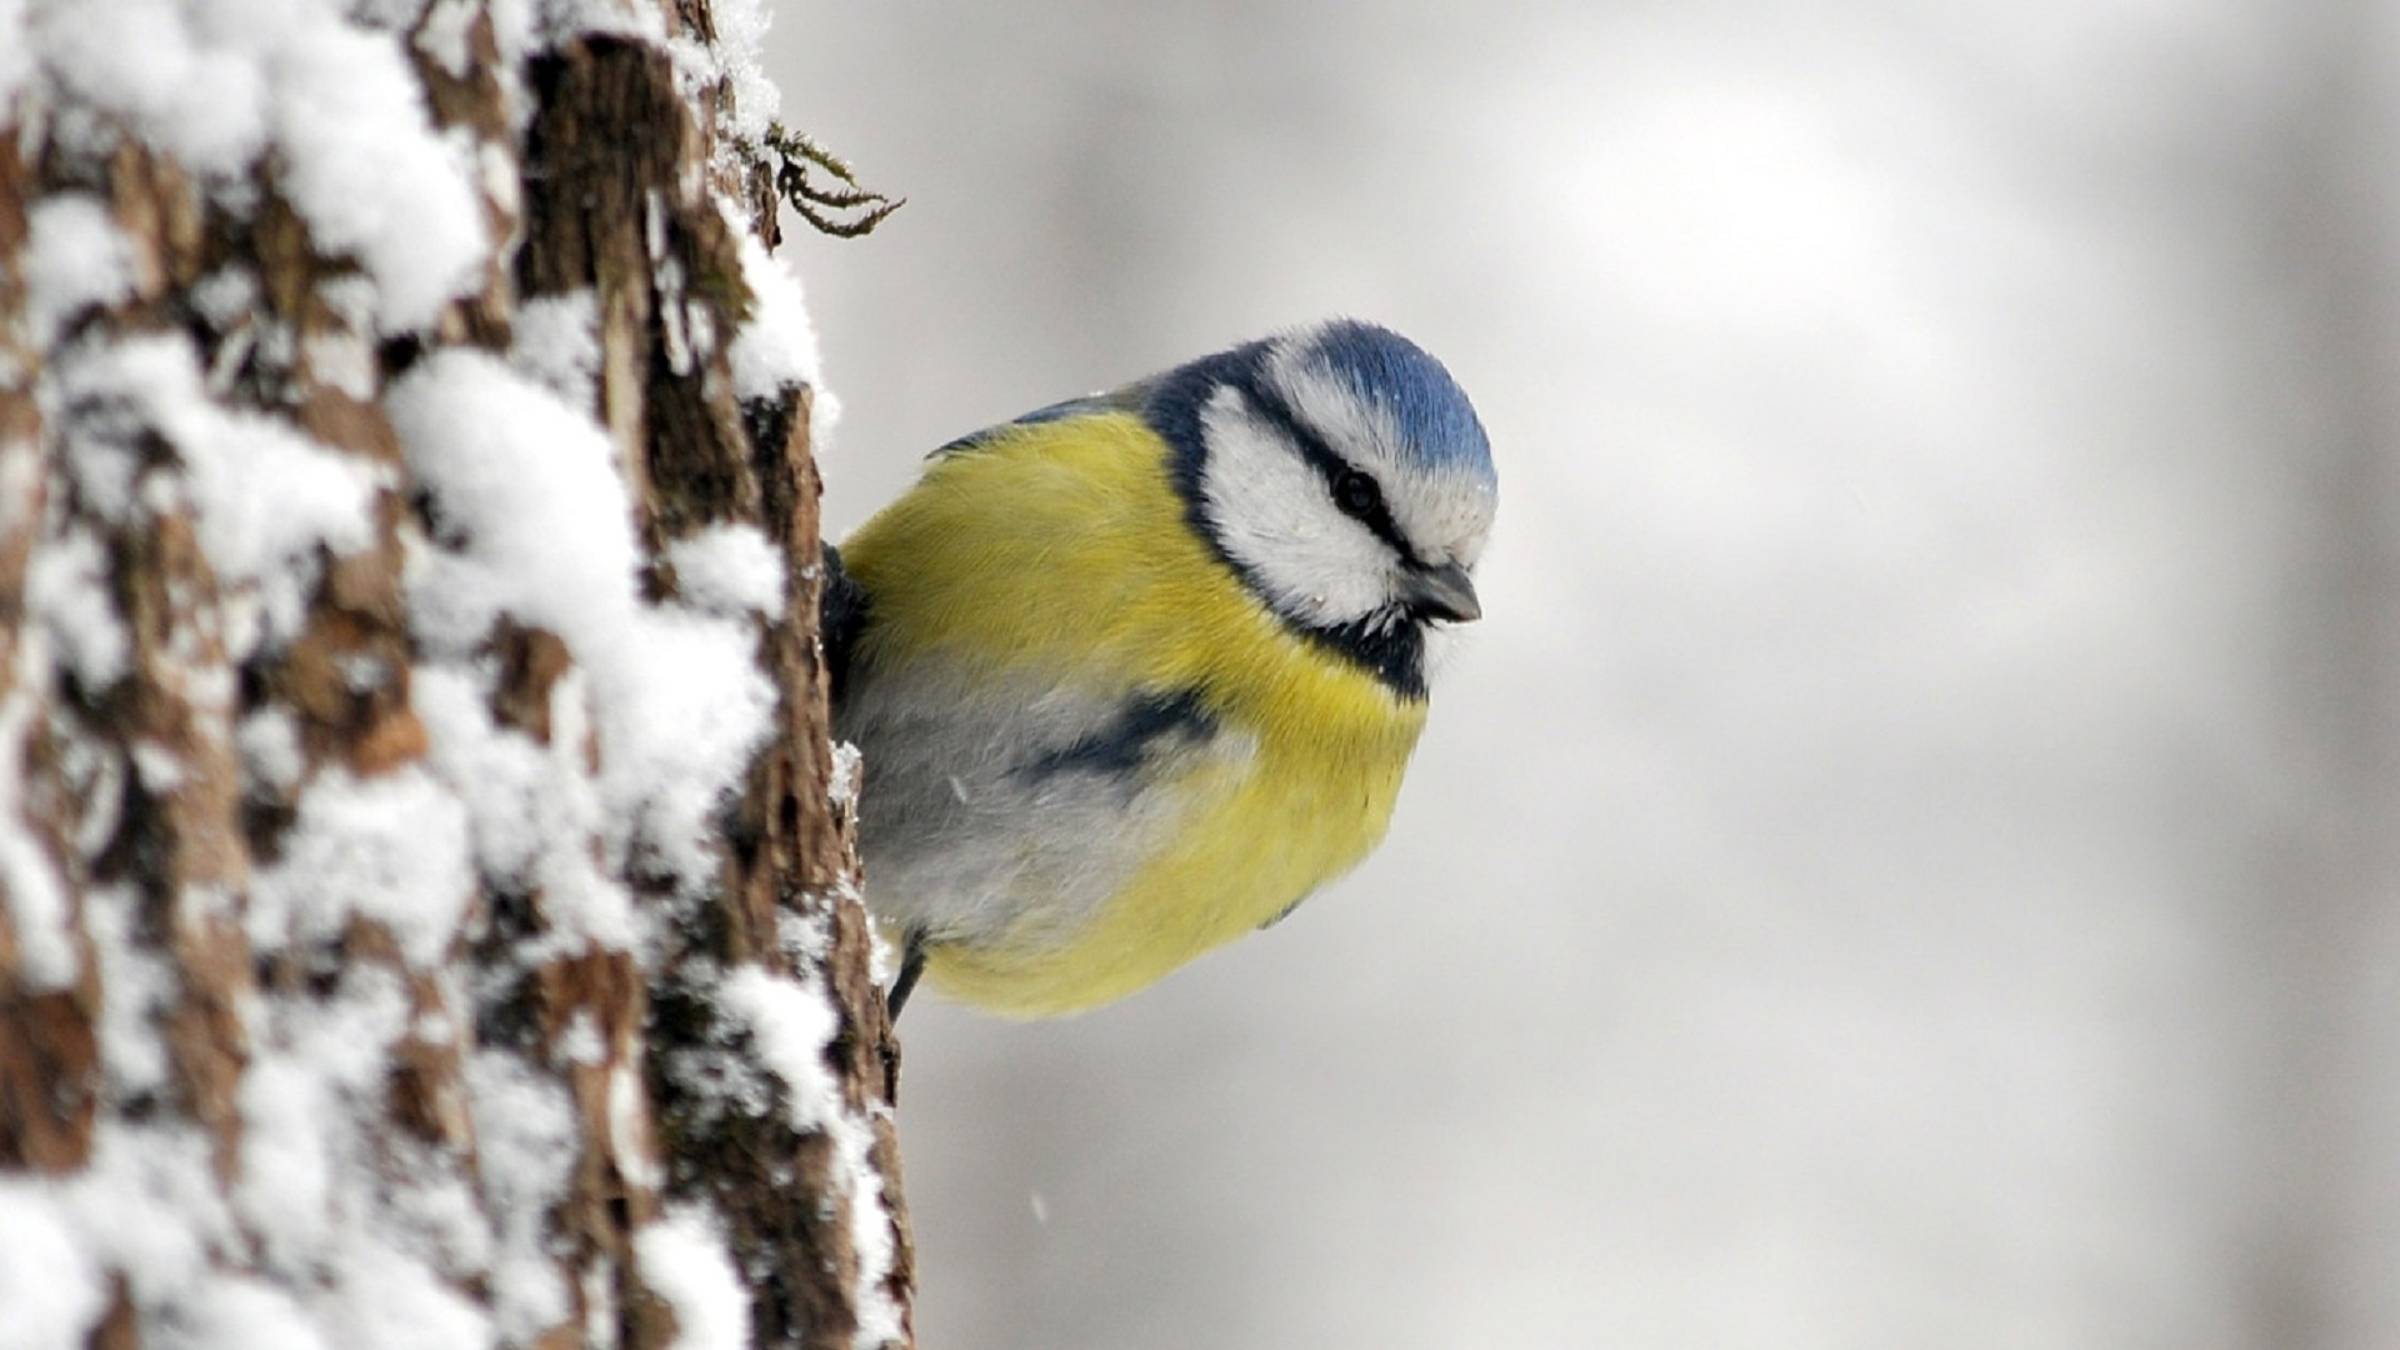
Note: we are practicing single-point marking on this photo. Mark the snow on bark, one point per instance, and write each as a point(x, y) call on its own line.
point(528, 486)
point(218, 84)
point(424, 918)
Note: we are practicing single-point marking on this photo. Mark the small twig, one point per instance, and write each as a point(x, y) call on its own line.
point(818, 203)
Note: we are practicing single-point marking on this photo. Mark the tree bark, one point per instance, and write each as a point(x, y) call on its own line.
point(367, 974)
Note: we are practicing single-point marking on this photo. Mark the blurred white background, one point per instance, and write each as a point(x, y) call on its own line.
point(1907, 860)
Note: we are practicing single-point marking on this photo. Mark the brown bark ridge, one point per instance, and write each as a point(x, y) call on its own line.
point(428, 904)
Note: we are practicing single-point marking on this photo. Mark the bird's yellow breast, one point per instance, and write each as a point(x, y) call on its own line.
point(1061, 551)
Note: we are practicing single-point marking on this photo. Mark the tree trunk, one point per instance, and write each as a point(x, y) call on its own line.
point(428, 913)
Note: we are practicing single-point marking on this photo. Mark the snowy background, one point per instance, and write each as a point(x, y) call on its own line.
point(1902, 863)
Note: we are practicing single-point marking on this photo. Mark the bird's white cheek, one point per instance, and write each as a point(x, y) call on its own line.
point(1272, 516)
point(1340, 579)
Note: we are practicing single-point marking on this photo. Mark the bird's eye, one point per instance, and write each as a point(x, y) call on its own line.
point(1356, 494)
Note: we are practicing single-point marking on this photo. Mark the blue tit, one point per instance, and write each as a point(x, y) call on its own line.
point(1134, 674)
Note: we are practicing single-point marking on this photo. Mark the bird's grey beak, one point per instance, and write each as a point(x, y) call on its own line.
point(1445, 592)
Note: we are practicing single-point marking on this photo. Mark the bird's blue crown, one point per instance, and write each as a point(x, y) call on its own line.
point(1437, 424)
point(1388, 371)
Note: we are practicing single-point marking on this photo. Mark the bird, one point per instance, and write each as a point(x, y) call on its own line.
point(1134, 674)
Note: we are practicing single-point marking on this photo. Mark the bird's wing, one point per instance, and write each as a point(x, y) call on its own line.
point(842, 611)
point(1125, 398)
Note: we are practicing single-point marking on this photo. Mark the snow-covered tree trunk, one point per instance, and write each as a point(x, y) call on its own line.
point(427, 910)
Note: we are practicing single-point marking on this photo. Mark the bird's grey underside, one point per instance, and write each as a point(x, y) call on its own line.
point(1008, 806)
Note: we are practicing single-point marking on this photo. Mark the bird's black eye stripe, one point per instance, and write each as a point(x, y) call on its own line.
point(1353, 490)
